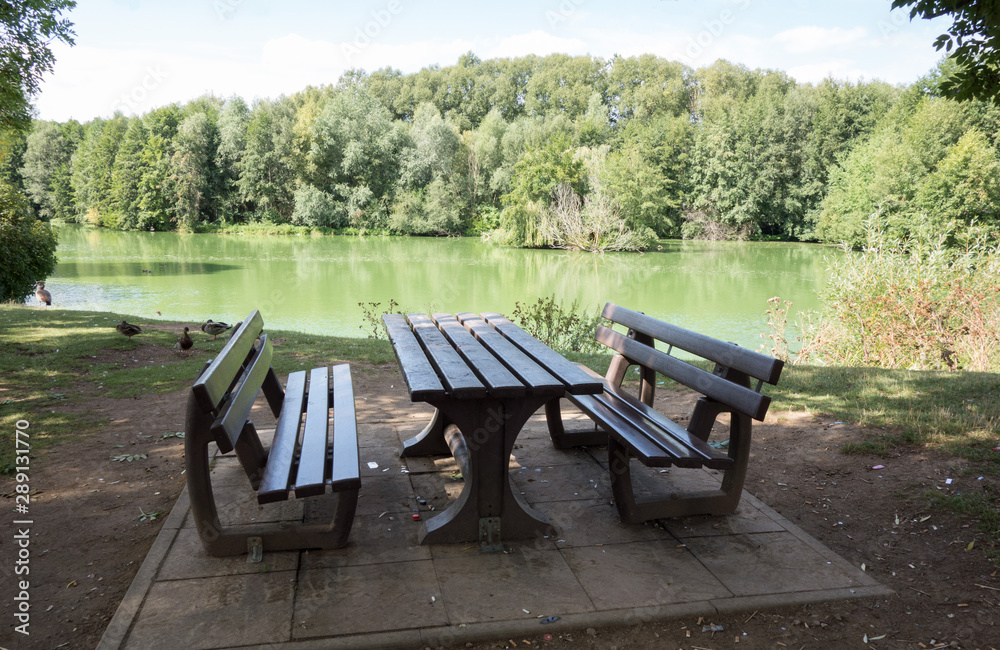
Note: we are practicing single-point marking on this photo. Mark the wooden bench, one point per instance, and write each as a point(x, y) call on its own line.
point(306, 455)
point(633, 429)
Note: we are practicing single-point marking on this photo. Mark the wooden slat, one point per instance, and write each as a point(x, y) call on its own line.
point(643, 448)
point(418, 373)
point(312, 459)
point(499, 381)
point(538, 380)
point(227, 427)
point(212, 385)
point(575, 380)
point(665, 433)
point(730, 355)
point(738, 397)
point(280, 459)
point(635, 411)
point(456, 375)
point(345, 472)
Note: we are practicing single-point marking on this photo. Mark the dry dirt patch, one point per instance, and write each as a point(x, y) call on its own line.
point(89, 535)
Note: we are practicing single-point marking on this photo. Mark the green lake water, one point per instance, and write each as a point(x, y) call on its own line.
point(314, 284)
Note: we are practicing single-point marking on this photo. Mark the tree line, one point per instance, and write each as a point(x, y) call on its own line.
point(581, 152)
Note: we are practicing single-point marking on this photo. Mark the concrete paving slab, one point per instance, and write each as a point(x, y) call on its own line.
point(385, 590)
point(369, 598)
point(635, 574)
point(217, 612)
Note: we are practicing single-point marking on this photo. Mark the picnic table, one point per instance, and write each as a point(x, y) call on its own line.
point(485, 377)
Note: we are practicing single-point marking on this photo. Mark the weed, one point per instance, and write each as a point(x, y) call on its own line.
point(561, 328)
point(372, 313)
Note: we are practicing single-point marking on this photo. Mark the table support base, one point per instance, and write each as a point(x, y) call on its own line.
point(480, 435)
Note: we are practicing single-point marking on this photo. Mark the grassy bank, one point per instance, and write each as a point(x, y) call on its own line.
point(53, 362)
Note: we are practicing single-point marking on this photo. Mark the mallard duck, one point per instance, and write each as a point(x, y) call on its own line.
point(213, 328)
point(43, 296)
point(185, 342)
point(128, 329)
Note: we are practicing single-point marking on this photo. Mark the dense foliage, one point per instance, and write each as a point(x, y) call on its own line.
point(27, 28)
point(973, 41)
point(641, 147)
point(27, 246)
point(912, 303)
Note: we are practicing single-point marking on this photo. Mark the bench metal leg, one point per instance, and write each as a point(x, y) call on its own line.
point(562, 439)
point(723, 501)
point(221, 541)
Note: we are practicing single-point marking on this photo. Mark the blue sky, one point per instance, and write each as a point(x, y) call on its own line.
point(135, 55)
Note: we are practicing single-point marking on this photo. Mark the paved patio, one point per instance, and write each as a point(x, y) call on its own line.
point(385, 590)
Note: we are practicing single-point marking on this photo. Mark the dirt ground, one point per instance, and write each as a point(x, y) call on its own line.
point(95, 518)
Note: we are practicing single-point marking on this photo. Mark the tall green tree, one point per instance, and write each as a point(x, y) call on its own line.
point(883, 174)
point(356, 152)
point(266, 168)
point(191, 168)
point(28, 29)
point(748, 158)
point(46, 170)
point(126, 178)
point(649, 172)
point(93, 163)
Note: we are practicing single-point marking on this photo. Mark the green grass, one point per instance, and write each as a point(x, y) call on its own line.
point(52, 359)
point(957, 413)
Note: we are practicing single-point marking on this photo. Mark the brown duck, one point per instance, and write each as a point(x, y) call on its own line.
point(128, 329)
point(184, 343)
point(213, 328)
point(43, 296)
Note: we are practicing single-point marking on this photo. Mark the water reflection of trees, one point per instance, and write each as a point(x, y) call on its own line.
point(321, 280)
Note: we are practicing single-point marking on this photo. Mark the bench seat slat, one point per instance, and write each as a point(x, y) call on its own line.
point(738, 397)
point(663, 431)
point(538, 380)
point(345, 473)
point(500, 381)
point(666, 433)
point(421, 380)
point(280, 460)
point(727, 354)
point(644, 448)
point(565, 370)
point(229, 425)
point(455, 373)
point(309, 480)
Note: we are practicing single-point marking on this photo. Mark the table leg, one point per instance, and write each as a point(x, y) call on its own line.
point(488, 501)
point(430, 441)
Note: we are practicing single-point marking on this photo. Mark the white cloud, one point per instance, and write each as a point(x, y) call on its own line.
point(534, 42)
point(808, 38)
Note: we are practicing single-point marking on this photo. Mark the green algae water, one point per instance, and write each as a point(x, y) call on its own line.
point(314, 284)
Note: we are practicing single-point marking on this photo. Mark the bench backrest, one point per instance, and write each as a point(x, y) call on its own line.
point(228, 386)
point(730, 381)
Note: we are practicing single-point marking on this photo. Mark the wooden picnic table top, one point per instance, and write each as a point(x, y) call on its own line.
point(478, 356)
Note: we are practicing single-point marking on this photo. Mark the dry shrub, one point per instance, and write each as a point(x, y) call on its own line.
point(592, 224)
point(914, 304)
